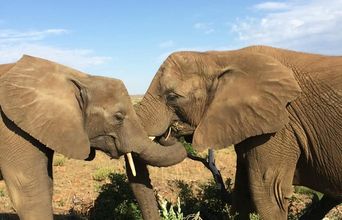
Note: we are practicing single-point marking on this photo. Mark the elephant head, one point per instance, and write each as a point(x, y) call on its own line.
point(70, 112)
point(227, 96)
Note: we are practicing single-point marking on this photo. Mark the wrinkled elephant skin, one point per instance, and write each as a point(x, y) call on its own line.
point(281, 109)
point(48, 107)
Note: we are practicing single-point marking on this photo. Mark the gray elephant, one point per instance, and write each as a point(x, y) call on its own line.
point(47, 107)
point(281, 109)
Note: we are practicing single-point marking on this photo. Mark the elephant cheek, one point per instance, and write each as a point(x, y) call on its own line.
point(113, 153)
point(105, 144)
point(112, 148)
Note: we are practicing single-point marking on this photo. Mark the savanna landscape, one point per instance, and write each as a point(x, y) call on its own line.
point(98, 189)
point(263, 75)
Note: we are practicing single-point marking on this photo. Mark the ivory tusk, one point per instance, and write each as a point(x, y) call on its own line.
point(131, 163)
point(168, 134)
point(151, 137)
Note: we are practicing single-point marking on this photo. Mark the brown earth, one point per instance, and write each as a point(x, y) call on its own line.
point(75, 187)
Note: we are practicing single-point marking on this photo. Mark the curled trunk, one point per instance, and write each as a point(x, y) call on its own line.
point(154, 115)
point(157, 155)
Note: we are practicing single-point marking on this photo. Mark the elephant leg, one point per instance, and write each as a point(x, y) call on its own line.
point(143, 190)
point(28, 176)
point(271, 163)
point(242, 203)
point(321, 208)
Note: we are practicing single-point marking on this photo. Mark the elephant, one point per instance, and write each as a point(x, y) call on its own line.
point(47, 107)
point(281, 109)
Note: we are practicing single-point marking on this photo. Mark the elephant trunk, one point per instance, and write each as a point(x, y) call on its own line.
point(154, 115)
point(143, 190)
point(160, 156)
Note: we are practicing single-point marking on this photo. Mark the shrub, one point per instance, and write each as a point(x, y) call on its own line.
point(254, 216)
point(170, 213)
point(307, 191)
point(206, 203)
point(59, 160)
point(102, 173)
point(116, 200)
point(188, 147)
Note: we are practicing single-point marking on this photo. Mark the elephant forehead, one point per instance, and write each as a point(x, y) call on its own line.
point(168, 82)
point(181, 84)
point(106, 90)
point(192, 85)
point(113, 102)
point(108, 110)
point(106, 85)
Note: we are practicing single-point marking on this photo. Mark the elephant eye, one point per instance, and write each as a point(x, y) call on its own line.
point(119, 117)
point(171, 97)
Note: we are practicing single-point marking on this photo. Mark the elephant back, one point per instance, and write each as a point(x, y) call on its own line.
point(5, 67)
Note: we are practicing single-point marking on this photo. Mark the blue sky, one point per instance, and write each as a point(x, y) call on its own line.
point(130, 39)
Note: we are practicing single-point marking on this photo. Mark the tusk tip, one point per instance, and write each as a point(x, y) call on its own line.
point(131, 164)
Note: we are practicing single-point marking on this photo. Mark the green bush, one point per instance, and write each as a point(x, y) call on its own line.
point(59, 160)
point(116, 200)
point(170, 213)
point(254, 216)
point(206, 203)
point(188, 147)
point(102, 173)
point(307, 191)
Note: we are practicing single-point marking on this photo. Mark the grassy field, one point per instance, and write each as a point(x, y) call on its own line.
point(98, 189)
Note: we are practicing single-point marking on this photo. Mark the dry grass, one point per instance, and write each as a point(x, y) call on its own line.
point(78, 181)
point(136, 98)
point(75, 187)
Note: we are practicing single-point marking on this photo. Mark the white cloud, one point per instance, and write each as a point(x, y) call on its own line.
point(167, 44)
point(77, 58)
point(9, 35)
point(313, 26)
point(13, 44)
point(205, 27)
point(271, 6)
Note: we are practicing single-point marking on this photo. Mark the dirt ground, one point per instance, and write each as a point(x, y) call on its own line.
point(75, 187)
point(74, 182)
point(77, 183)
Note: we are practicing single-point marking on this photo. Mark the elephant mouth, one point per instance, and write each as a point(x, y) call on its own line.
point(180, 128)
point(107, 144)
point(175, 131)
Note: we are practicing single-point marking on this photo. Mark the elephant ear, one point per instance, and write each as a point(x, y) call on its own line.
point(44, 100)
point(250, 99)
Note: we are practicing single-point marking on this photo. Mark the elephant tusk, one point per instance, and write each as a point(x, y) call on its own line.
point(131, 164)
point(151, 137)
point(168, 134)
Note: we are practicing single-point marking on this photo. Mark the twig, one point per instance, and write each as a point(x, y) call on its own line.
point(210, 164)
